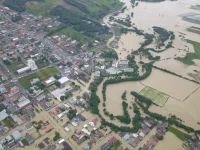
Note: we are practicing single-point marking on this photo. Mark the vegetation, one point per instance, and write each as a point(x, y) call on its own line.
point(124, 95)
point(110, 54)
point(125, 118)
point(16, 18)
point(188, 59)
point(57, 136)
point(172, 120)
point(71, 114)
point(7, 122)
point(157, 97)
point(18, 5)
point(196, 46)
point(42, 75)
point(115, 145)
point(78, 22)
point(177, 132)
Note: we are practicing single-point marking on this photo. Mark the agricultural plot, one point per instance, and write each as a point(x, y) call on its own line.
point(157, 97)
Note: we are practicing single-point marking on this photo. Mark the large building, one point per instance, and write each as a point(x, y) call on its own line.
point(31, 66)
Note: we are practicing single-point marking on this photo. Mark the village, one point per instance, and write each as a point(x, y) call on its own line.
point(47, 80)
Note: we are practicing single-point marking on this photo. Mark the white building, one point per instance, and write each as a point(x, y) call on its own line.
point(63, 80)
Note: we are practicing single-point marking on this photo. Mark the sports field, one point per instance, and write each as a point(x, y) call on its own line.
point(157, 97)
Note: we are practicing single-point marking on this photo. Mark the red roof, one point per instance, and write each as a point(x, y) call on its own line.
point(113, 139)
point(28, 107)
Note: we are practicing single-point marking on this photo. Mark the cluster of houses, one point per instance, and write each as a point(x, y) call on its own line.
point(103, 68)
point(134, 139)
point(16, 139)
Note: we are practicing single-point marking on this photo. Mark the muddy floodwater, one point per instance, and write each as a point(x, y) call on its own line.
point(170, 142)
point(171, 85)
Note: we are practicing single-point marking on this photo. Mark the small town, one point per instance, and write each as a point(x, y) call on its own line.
point(48, 86)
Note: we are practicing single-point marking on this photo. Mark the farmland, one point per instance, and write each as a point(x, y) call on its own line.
point(156, 96)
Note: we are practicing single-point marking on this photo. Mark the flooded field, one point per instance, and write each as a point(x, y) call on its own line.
point(169, 84)
point(128, 43)
point(170, 142)
point(114, 93)
point(187, 110)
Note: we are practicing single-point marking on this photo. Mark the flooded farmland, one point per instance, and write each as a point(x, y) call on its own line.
point(172, 142)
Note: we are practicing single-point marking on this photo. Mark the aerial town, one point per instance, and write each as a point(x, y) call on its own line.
point(111, 78)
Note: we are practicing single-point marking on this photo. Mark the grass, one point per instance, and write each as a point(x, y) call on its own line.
point(42, 75)
point(177, 133)
point(40, 63)
point(117, 31)
point(74, 35)
point(196, 46)
point(15, 65)
point(115, 145)
point(157, 97)
point(188, 59)
point(7, 122)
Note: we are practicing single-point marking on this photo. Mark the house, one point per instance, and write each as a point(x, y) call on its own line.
point(112, 139)
point(16, 135)
point(81, 117)
point(29, 138)
point(2, 89)
point(86, 147)
point(133, 144)
point(35, 81)
point(97, 74)
point(123, 63)
point(66, 146)
point(3, 115)
point(127, 136)
point(106, 146)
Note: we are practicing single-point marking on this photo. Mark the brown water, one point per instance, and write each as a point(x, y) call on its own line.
point(170, 142)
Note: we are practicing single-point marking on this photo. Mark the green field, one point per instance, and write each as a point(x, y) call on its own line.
point(177, 133)
point(188, 59)
point(74, 35)
point(196, 46)
point(94, 6)
point(157, 97)
point(117, 31)
point(42, 75)
point(15, 65)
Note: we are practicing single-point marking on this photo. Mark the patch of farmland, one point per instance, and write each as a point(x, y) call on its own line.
point(157, 97)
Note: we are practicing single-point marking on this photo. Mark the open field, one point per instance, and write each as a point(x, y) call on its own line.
point(171, 85)
point(188, 59)
point(42, 75)
point(43, 8)
point(170, 142)
point(177, 132)
point(74, 35)
point(16, 65)
point(156, 96)
point(196, 46)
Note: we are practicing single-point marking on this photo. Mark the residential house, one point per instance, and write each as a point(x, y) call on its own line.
point(29, 138)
